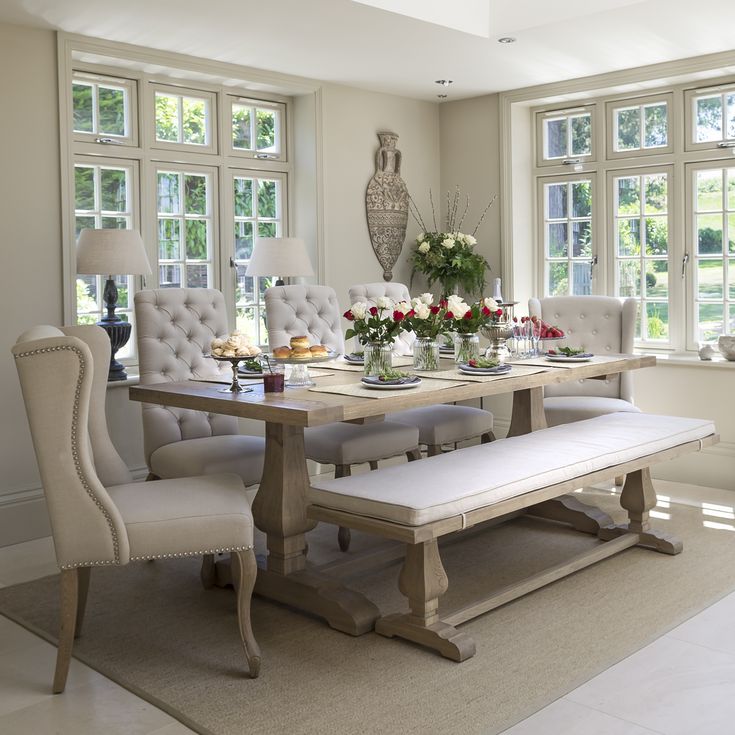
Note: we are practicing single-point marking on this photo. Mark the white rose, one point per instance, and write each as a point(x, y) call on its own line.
point(457, 306)
point(424, 247)
point(421, 236)
point(448, 243)
point(359, 309)
point(470, 240)
point(383, 302)
point(491, 304)
point(427, 298)
point(403, 306)
point(422, 311)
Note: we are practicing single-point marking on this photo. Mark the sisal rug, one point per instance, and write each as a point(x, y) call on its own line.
point(153, 629)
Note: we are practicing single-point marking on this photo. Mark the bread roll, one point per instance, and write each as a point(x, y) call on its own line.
point(299, 342)
point(301, 352)
point(318, 350)
point(282, 351)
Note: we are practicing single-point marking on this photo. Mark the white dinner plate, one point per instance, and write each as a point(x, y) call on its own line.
point(499, 370)
point(367, 383)
point(584, 357)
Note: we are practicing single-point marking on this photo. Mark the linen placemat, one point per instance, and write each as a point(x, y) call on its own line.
point(355, 389)
point(516, 372)
point(597, 359)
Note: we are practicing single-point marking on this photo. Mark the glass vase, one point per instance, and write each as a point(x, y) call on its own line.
point(466, 347)
point(378, 359)
point(425, 354)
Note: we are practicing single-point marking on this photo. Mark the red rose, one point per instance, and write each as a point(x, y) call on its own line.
point(411, 313)
point(349, 315)
point(485, 311)
point(398, 316)
point(468, 315)
point(499, 312)
point(434, 309)
point(443, 303)
point(374, 310)
point(449, 315)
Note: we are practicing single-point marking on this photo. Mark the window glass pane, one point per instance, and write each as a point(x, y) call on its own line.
point(657, 321)
point(243, 197)
point(581, 199)
point(241, 135)
point(657, 279)
point(197, 276)
point(656, 193)
point(556, 196)
point(731, 189)
point(113, 190)
point(657, 235)
point(709, 191)
point(629, 237)
point(556, 138)
point(115, 223)
point(731, 279)
point(169, 276)
point(84, 188)
point(731, 234)
point(558, 279)
point(83, 106)
point(709, 322)
point(167, 118)
point(82, 223)
point(629, 278)
point(168, 193)
point(732, 319)
point(194, 121)
point(169, 245)
point(246, 322)
point(629, 129)
point(730, 115)
point(582, 239)
point(582, 279)
point(266, 130)
point(557, 240)
point(111, 101)
point(122, 293)
point(243, 240)
point(581, 135)
point(196, 239)
point(267, 198)
point(246, 289)
point(709, 234)
point(195, 194)
point(709, 279)
point(629, 195)
point(265, 283)
point(86, 293)
point(267, 229)
point(708, 114)
point(655, 123)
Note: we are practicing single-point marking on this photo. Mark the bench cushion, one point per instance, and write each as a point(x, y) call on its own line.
point(458, 482)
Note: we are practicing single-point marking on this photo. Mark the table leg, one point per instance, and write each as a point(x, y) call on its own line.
point(279, 510)
point(528, 411)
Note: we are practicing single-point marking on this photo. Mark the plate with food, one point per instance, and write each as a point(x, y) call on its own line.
point(356, 358)
point(568, 354)
point(484, 366)
point(392, 380)
point(251, 368)
point(300, 351)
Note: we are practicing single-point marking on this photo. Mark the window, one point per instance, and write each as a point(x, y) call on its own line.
point(639, 126)
point(183, 119)
point(713, 245)
point(710, 117)
point(567, 236)
point(102, 107)
point(257, 128)
point(565, 134)
point(641, 248)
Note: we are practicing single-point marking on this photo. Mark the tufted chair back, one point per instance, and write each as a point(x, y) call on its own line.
point(64, 397)
point(600, 324)
point(175, 328)
point(371, 292)
point(292, 311)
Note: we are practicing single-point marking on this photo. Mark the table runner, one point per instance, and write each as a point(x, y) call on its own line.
point(355, 389)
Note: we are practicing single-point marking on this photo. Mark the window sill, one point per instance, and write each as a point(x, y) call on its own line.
point(690, 359)
point(132, 379)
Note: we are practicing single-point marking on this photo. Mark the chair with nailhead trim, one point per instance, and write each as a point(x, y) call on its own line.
point(99, 516)
point(313, 311)
point(600, 324)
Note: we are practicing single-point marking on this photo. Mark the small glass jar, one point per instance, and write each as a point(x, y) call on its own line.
point(466, 347)
point(378, 358)
point(425, 354)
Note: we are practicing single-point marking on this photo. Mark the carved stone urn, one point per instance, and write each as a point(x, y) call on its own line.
point(386, 203)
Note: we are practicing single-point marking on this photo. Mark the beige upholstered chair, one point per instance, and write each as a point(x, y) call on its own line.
point(600, 324)
point(437, 425)
point(99, 517)
point(292, 311)
point(175, 328)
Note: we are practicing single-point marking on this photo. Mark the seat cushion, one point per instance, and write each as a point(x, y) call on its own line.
point(236, 453)
point(566, 409)
point(450, 484)
point(185, 516)
point(355, 443)
point(446, 424)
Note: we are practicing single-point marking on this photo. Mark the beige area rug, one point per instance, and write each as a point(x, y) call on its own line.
point(153, 629)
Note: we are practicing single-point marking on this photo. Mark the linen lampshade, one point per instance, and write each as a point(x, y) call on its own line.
point(279, 256)
point(111, 251)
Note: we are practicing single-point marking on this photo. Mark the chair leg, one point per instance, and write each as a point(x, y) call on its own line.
point(208, 573)
point(69, 602)
point(344, 537)
point(433, 449)
point(84, 574)
point(245, 570)
point(487, 437)
point(620, 480)
point(373, 466)
point(413, 454)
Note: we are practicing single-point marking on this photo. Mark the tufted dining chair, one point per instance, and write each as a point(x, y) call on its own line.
point(603, 325)
point(314, 311)
point(437, 425)
point(99, 517)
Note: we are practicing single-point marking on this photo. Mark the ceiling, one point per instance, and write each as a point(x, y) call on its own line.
point(403, 49)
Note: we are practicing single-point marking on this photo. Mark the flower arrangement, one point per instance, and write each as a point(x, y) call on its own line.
point(470, 318)
point(448, 257)
point(426, 319)
point(379, 324)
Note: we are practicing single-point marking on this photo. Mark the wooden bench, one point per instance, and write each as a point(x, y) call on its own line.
point(420, 502)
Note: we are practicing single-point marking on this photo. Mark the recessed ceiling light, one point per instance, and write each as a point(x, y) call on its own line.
point(444, 82)
point(507, 39)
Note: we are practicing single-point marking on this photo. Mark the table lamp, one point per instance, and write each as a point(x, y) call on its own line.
point(279, 256)
point(106, 252)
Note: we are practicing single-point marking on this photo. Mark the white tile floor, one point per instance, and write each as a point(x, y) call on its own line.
point(682, 684)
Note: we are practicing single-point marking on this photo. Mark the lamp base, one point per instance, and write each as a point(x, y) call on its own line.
point(119, 333)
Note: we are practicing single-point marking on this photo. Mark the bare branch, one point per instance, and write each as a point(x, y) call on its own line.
point(489, 204)
point(433, 211)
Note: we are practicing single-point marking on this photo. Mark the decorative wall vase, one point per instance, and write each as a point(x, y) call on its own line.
point(386, 203)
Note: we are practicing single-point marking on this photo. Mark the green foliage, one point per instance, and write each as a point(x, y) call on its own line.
point(650, 280)
point(167, 118)
point(710, 241)
point(85, 302)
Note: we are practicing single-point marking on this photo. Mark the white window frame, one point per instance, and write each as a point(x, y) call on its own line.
point(281, 154)
point(543, 116)
point(690, 100)
point(641, 103)
point(182, 92)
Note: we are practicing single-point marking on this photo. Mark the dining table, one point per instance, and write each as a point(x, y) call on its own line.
point(280, 504)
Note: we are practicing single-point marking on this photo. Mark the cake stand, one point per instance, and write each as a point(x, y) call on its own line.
point(299, 377)
point(235, 386)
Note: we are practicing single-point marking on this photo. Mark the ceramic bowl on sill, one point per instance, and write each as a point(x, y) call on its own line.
point(726, 344)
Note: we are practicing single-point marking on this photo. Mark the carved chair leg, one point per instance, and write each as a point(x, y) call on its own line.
point(343, 534)
point(208, 572)
point(84, 574)
point(487, 437)
point(413, 454)
point(433, 449)
point(423, 581)
point(69, 602)
point(245, 570)
point(620, 480)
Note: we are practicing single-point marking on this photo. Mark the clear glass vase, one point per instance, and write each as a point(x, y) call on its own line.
point(425, 354)
point(466, 347)
point(378, 358)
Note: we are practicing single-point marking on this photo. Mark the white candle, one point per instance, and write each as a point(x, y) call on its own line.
point(497, 294)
